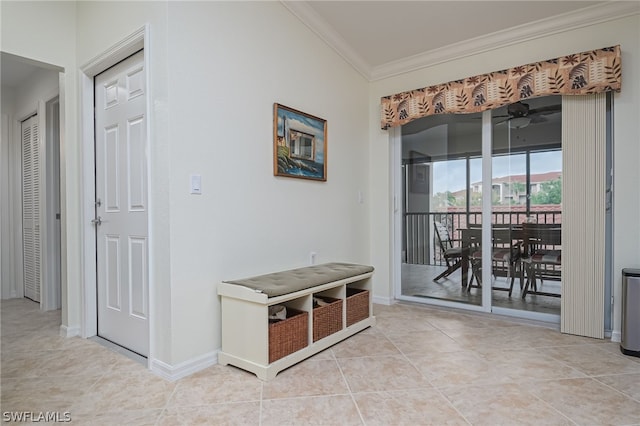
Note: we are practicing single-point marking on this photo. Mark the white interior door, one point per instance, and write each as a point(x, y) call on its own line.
point(31, 242)
point(121, 205)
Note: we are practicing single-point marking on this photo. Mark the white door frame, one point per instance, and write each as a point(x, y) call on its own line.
point(136, 41)
point(50, 293)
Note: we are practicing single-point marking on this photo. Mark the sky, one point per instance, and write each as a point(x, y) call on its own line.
point(450, 175)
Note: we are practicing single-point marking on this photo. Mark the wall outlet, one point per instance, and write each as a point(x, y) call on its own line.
point(312, 258)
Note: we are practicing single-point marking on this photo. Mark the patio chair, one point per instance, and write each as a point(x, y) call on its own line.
point(543, 256)
point(452, 253)
point(505, 256)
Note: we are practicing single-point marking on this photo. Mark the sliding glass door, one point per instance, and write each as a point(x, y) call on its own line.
point(526, 205)
point(445, 188)
point(441, 156)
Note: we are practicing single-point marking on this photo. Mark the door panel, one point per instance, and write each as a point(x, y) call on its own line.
point(136, 162)
point(111, 170)
point(121, 205)
point(138, 275)
point(112, 270)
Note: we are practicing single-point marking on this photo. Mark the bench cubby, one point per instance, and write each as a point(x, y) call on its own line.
point(289, 335)
point(254, 343)
point(357, 305)
point(327, 319)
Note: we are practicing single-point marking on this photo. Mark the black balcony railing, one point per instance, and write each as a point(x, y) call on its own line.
point(420, 246)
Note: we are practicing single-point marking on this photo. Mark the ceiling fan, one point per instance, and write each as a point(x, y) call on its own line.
point(519, 115)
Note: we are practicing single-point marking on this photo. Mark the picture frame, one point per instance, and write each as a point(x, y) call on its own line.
point(419, 182)
point(299, 144)
point(419, 172)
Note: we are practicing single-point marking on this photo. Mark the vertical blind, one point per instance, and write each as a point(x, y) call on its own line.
point(583, 211)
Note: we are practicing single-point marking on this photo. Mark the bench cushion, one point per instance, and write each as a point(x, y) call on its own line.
point(285, 282)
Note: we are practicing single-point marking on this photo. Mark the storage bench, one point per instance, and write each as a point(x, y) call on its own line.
point(254, 343)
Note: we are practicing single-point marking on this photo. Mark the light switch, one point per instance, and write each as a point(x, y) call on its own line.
point(196, 184)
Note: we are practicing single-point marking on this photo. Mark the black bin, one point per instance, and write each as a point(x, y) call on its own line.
point(630, 344)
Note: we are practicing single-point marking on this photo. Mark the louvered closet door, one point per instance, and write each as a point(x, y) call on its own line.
point(31, 208)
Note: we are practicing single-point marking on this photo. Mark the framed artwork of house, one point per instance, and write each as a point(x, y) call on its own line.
point(299, 144)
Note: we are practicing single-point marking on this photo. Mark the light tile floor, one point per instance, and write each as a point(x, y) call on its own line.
point(418, 366)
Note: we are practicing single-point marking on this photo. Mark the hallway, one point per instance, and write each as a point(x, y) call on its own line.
point(417, 366)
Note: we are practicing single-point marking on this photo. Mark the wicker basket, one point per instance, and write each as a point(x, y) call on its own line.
point(357, 305)
point(288, 335)
point(327, 319)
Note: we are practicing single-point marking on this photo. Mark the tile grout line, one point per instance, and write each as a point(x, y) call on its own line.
point(612, 388)
point(261, 410)
point(346, 382)
point(435, 388)
point(552, 407)
point(165, 409)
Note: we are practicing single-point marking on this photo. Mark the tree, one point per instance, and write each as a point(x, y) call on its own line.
point(550, 193)
point(476, 198)
point(444, 199)
point(517, 188)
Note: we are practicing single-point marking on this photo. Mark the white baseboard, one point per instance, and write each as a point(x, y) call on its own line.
point(382, 300)
point(66, 331)
point(183, 369)
point(616, 336)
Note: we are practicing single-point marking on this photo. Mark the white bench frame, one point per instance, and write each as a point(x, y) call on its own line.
point(245, 323)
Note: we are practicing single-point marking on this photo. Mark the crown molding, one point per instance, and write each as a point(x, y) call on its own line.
point(558, 24)
point(531, 31)
point(328, 34)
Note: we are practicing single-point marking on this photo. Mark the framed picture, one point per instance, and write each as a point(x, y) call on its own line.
point(299, 144)
point(419, 172)
point(419, 176)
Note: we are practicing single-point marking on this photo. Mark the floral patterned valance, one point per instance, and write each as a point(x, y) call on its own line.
point(595, 71)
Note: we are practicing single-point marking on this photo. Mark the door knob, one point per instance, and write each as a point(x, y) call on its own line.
point(97, 221)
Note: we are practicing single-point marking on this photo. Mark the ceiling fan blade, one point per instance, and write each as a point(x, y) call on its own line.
point(550, 109)
point(494, 117)
point(538, 119)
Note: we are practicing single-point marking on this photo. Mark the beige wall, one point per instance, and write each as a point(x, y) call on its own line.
point(626, 32)
point(224, 79)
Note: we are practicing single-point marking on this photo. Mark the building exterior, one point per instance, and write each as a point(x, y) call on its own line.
point(512, 189)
